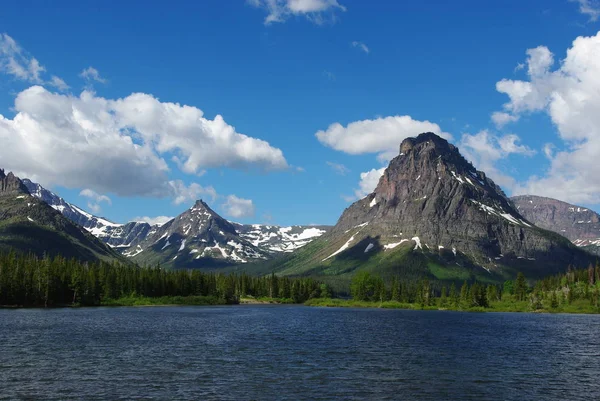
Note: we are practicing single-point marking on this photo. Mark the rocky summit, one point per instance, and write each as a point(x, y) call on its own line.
point(579, 224)
point(433, 213)
point(199, 237)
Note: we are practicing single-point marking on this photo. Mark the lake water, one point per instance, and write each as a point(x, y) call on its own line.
point(296, 352)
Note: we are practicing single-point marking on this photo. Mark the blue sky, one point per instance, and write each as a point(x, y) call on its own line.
point(281, 73)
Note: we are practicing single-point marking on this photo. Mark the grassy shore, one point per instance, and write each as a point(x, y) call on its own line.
point(147, 301)
point(265, 301)
point(191, 300)
point(577, 306)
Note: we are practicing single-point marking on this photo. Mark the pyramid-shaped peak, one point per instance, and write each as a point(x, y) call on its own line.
point(426, 140)
point(201, 206)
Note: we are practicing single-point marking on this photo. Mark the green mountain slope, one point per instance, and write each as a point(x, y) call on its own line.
point(29, 225)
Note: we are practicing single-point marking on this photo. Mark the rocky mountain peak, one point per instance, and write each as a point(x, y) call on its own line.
point(432, 197)
point(428, 166)
point(426, 141)
point(9, 183)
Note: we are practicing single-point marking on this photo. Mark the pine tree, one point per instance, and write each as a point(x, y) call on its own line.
point(464, 294)
point(443, 297)
point(520, 287)
point(454, 295)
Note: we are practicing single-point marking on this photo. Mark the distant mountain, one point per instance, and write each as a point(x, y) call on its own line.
point(136, 239)
point(277, 239)
point(433, 214)
point(198, 237)
point(578, 224)
point(28, 224)
point(121, 236)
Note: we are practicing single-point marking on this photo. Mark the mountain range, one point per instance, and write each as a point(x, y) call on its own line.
point(198, 237)
point(432, 213)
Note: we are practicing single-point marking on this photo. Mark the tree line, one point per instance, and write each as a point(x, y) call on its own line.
point(27, 280)
point(550, 292)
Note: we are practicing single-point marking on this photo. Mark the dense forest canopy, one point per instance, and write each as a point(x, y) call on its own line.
point(32, 281)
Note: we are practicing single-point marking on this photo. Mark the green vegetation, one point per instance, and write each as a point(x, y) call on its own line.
point(29, 225)
point(401, 261)
point(32, 281)
point(166, 300)
point(577, 291)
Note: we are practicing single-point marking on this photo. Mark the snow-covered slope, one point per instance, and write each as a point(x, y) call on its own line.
point(199, 231)
point(198, 237)
point(114, 234)
point(276, 239)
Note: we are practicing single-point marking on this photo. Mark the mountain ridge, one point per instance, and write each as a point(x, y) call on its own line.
point(578, 224)
point(133, 237)
point(30, 225)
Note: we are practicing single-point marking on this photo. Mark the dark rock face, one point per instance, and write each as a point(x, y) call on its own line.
point(10, 184)
point(579, 224)
point(431, 195)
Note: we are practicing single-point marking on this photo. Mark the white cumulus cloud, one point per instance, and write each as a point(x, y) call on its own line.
point(94, 199)
point(182, 193)
point(367, 184)
point(484, 150)
point(570, 96)
point(382, 135)
point(238, 207)
point(501, 119)
point(118, 145)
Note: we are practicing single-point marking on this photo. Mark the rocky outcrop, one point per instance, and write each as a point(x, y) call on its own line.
point(579, 224)
point(10, 184)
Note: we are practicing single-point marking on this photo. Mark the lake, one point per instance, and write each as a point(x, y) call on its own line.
point(294, 352)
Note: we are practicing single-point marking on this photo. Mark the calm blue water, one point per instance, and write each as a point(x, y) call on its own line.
point(295, 352)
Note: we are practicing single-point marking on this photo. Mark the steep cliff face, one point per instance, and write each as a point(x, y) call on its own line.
point(431, 200)
point(579, 224)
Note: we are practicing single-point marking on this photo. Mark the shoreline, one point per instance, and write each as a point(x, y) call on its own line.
point(513, 308)
point(161, 301)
